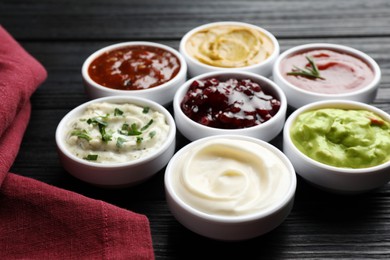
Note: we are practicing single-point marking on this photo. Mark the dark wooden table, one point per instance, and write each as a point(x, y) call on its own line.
point(62, 33)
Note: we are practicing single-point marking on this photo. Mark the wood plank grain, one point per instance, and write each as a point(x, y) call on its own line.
point(132, 20)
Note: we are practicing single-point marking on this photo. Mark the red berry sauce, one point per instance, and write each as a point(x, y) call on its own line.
point(228, 104)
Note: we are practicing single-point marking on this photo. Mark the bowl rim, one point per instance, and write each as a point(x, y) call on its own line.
point(277, 206)
point(344, 104)
point(177, 99)
point(265, 62)
point(335, 47)
point(61, 131)
point(181, 74)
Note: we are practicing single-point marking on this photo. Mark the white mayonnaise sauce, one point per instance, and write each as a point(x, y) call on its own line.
point(231, 177)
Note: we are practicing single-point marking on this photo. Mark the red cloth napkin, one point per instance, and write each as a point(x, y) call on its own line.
point(41, 221)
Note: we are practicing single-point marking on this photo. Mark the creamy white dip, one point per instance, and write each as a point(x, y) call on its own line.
point(115, 133)
point(231, 177)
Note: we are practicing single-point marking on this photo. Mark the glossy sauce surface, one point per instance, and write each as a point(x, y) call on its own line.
point(228, 104)
point(340, 72)
point(134, 68)
point(231, 177)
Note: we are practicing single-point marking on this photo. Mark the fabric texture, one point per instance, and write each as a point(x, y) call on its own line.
point(40, 221)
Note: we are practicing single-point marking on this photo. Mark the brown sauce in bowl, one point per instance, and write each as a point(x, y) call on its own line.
point(134, 68)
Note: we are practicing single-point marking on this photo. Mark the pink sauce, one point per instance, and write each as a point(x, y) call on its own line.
point(341, 72)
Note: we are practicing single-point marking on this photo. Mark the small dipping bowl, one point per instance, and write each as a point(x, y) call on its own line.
point(266, 131)
point(126, 171)
point(137, 69)
point(230, 187)
point(339, 133)
point(229, 45)
point(345, 74)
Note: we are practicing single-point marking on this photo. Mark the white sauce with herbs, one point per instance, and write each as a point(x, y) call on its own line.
point(115, 133)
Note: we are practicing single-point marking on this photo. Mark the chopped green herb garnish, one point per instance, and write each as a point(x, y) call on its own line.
point(120, 141)
point(147, 125)
point(146, 110)
point(311, 72)
point(91, 157)
point(97, 121)
point(106, 137)
point(125, 126)
point(139, 140)
point(124, 129)
point(118, 112)
point(152, 134)
point(102, 127)
point(83, 134)
point(133, 130)
point(130, 130)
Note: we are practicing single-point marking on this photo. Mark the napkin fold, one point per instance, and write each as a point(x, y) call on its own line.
point(40, 221)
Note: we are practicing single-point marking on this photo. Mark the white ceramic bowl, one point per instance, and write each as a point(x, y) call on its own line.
point(230, 227)
point(196, 67)
point(265, 131)
point(119, 174)
point(162, 94)
point(331, 178)
point(298, 97)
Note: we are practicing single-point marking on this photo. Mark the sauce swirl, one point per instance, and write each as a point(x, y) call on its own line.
point(230, 177)
point(230, 46)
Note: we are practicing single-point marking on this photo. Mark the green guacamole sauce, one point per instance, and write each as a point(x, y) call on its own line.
point(342, 138)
